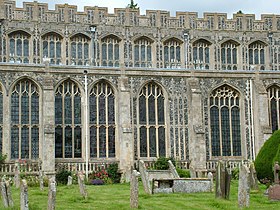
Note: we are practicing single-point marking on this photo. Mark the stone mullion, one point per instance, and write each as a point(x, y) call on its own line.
point(63, 122)
point(147, 121)
point(156, 122)
point(107, 124)
point(220, 128)
point(278, 108)
point(230, 126)
point(97, 122)
point(19, 122)
point(184, 130)
point(73, 120)
point(30, 121)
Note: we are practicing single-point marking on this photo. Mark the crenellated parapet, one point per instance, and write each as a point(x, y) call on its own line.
point(65, 13)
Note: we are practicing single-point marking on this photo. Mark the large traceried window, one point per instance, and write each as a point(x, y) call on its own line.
point(25, 120)
point(1, 120)
point(19, 47)
point(110, 54)
point(151, 122)
point(225, 122)
point(143, 52)
point(274, 106)
point(257, 55)
point(172, 53)
point(201, 54)
point(52, 47)
point(68, 129)
point(229, 55)
point(102, 121)
point(80, 50)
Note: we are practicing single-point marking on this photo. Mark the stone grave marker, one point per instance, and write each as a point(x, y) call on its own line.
point(244, 187)
point(52, 194)
point(41, 180)
point(274, 190)
point(70, 180)
point(253, 178)
point(4, 194)
point(223, 178)
point(210, 176)
point(17, 177)
point(9, 193)
point(82, 186)
point(134, 189)
point(24, 195)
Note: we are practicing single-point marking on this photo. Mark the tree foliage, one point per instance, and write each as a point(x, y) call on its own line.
point(132, 5)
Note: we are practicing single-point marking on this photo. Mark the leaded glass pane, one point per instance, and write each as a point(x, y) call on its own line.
point(19, 47)
point(215, 131)
point(77, 142)
point(1, 140)
point(161, 136)
point(234, 56)
point(58, 109)
point(73, 50)
point(274, 114)
point(52, 54)
point(111, 109)
point(58, 50)
point(86, 51)
point(68, 142)
point(15, 108)
point(77, 109)
point(58, 142)
point(14, 142)
point(93, 142)
point(142, 109)
point(250, 56)
point(178, 53)
point(152, 140)
point(262, 56)
point(104, 51)
point(12, 47)
point(92, 108)
point(45, 49)
point(25, 143)
point(111, 139)
point(68, 109)
point(236, 138)
point(102, 142)
point(225, 131)
point(26, 47)
point(195, 53)
point(80, 50)
point(143, 142)
point(149, 53)
point(223, 55)
point(35, 143)
point(102, 109)
point(25, 108)
point(110, 51)
point(172, 53)
point(35, 109)
point(256, 56)
point(160, 104)
point(117, 53)
point(151, 105)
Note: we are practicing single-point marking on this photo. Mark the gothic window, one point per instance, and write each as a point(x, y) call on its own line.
point(25, 121)
point(229, 55)
point(257, 55)
point(102, 121)
point(172, 53)
point(79, 50)
point(1, 120)
point(151, 116)
point(225, 122)
point(68, 129)
point(19, 47)
point(201, 54)
point(110, 53)
point(143, 52)
point(52, 47)
point(274, 106)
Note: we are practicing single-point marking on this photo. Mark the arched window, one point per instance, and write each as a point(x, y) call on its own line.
point(151, 116)
point(143, 52)
point(256, 55)
point(274, 106)
point(201, 54)
point(68, 130)
point(19, 47)
point(52, 47)
point(172, 54)
point(25, 120)
point(229, 55)
point(102, 121)
point(225, 122)
point(80, 50)
point(110, 54)
point(1, 120)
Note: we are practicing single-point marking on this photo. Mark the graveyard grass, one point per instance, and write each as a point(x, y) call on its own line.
point(118, 197)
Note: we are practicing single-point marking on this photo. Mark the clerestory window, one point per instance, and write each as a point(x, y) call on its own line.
point(274, 107)
point(19, 47)
point(80, 50)
point(172, 54)
point(110, 51)
point(143, 52)
point(229, 55)
point(52, 47)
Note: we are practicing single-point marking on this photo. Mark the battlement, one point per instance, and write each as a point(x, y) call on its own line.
point(93, 15)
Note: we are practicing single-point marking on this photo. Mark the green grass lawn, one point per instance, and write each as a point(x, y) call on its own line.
point(117, 197)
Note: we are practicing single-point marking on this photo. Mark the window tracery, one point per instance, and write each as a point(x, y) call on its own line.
point(80, 50)
point(143, 52)
point(201, 54)
point(257, 55)
point(52, 48)
point(172, 54)
point(274, 106)
point(110, 54)
point(19, 47)
point(229, 55)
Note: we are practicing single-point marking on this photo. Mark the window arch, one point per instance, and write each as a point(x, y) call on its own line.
point(25, 120)
point(143, 52)
point(110, 54)
point(1, 120)
point(172, 53)
point(151, 116)
point(68, 129)
point(274, 106)
point(201, 54)
point(229, 55)
point(102, 121)
point(225, 122)
point(19, 47)
point(80, 50)
point(256, 55)
point(52, 47)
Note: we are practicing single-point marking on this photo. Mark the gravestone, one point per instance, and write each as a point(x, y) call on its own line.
point(9, 193)
point(276, 172)
point(253, 178)
point(52, 194)
point(134, 189)
point(24, 195)
point(41, 180)
point(4, 194)
point(17, 177)
point(223, 178)
point(244, 187)
point(274, 190)
point(82, 186)
point(70, 180)
point(210, 176)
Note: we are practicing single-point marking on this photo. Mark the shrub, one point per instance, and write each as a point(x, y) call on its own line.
point(101, 175)
point(2, 158)
point(264, 160)
point(162, 163)
point(235, 173)
point(113, 172)
point(62, 177)
point(183, 173)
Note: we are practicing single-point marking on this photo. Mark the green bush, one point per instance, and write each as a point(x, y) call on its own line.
point(162, 163)
point(264, 160)
point(235, 173)
point(113, 172)
point(62, 177)
point(2, 158)
point(183, 173)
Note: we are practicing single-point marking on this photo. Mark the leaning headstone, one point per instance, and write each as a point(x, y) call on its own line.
point(41, 180)
point(24, 195)
point(9, 193)
point(82, 186)
point(4, 194)
point(210, 176)
point(17, 177)
point(134, 189)
point(274, 190)
point(70, 180)
point(276, 170)
point(52, 194)
point(253, 178)
point(223, 178)
point(244, 187)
